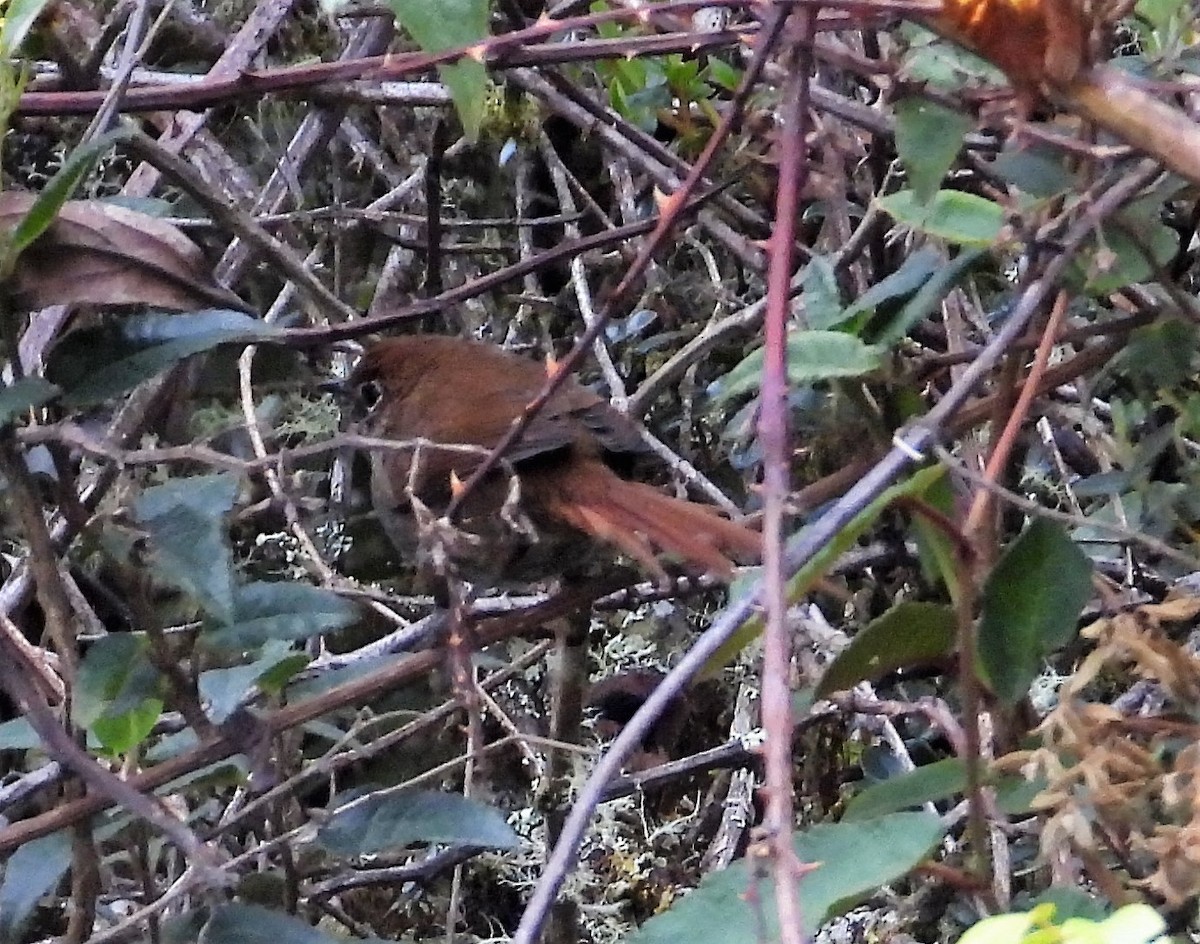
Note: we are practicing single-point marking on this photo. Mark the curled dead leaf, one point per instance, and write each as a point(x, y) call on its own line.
point(103, 254)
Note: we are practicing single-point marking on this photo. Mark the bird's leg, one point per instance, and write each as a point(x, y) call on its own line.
point(437, 539)
point(570, 680)
point(512, 512)
point(439, 542)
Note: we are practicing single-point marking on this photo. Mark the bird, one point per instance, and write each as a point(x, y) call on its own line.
point(564, 488)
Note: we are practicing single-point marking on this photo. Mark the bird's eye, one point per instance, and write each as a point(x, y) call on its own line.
point(370, 393)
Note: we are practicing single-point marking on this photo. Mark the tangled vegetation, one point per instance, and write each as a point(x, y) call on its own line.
point(909, 284)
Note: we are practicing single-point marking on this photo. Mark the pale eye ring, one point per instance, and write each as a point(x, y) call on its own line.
point(370, 392)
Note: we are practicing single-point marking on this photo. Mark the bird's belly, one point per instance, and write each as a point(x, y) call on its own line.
point(494, 540)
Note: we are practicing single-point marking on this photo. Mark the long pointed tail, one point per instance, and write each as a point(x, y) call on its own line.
point(643, 522)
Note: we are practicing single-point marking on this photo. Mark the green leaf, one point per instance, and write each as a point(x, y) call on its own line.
point(33, 871)
point(26, 393)
point(936, 549)
point(114, 676)
point(395, 818)
point(468, 82)
point(19, 17)
point(93, 365)
point(1130, 251)
point(18, 735)
point(438, 25)
point(914, 486)
point(943, 64)
point(848, 867)
point(929, 297)
point(914, 272)
point(1038, 172)
point(185, 519)
point(931, 783)
point(1160, 354)
point(279, 610)
point(908, 634)
point(1137, 923)
point(821, 295)
point(1072, 902)
point(928, 138)
point(224, 689)
point(811, 356)
point(276, 678)
point(940, 780)
point(59, 189)
point(959, 218)
point(1015, 795)
point(723, 74)
point(121, 733)
point(1160, 13)
point(239, 923)
point(1031, 603)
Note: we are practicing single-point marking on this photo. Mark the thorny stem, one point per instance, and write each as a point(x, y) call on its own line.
point(773, 434)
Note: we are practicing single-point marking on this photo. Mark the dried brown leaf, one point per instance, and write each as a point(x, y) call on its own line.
point(102, 254)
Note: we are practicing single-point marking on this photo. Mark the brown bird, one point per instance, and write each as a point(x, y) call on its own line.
point(563, 487)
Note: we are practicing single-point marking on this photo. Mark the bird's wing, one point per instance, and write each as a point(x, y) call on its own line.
point(448, 404)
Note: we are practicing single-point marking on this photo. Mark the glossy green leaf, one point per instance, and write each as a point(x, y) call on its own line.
point(438, 25)
point(940, 780)
point(18, 398)
point(928, 138)
point(916, 269)
point(1015, 795)
point(279, 610)
point(114, 671)
point(821, 295)
point(909, 634)
point(847, 867)
point(19, 17)
point(31, 872)
point(224, 690)
point(276, 678)
point(1038, 172)
point(811, 356)
point(928, 298)
point(1128, 252)
point(121, 732)
point(468, 84)
point(1160, 354)
point(942, 63)
point(936, 549)
point(723, 74)
point(59, 189)
point(94, 365)
point(396, 818)
point(1160, 13)
point(1031, 603)
point(808, 575)
point(960, 218)
point(185, 519)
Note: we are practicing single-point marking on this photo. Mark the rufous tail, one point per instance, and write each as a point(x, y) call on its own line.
point(643, 522)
